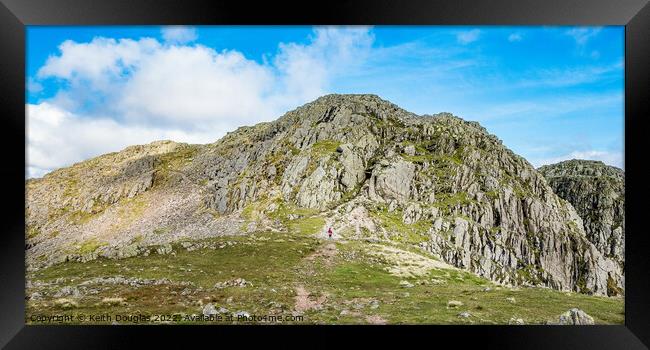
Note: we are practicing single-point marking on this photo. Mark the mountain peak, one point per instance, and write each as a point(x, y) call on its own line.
point(360, 103)
point(346, 98)
point(357, 163)
point(580, 167)
point(597, 192)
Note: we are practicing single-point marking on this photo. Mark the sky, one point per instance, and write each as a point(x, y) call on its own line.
point(549, 93)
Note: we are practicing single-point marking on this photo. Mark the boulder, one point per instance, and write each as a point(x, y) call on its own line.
point(209, 310)
point(575, 317)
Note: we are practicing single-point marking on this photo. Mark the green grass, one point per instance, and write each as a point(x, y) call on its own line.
point(307, 222)
point(81, 217)
point(428, 303)
point(492, 194)
point(418, 158)
point(423, 155)
point(408, 233)
point(267, 264)
point(447, 201)
point(90, 246)
point(306, 226)
point(32, 232)
point(276, 263)
point(161, 230)
point(324, 147)
point(297, 220)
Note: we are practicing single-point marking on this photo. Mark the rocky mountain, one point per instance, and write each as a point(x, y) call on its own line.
point(597, 192)
point(357, 163)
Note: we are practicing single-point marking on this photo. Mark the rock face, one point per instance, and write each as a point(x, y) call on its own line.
point(371, 168)
point(597, 192)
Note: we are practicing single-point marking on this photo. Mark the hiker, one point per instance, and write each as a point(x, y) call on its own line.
point(329, 232)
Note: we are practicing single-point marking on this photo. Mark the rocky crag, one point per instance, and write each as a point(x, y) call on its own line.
point(597, 192)
point(356, 163)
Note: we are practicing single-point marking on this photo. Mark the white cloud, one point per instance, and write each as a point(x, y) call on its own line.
point(124, 92)
point(97, 59)
point(179, 34)
point(609, 158)
point(56, 137)
point(98, 65)
point(307, 69)
point(468, 36)
point(514, 37)
point(583, 34)
point(192, 85)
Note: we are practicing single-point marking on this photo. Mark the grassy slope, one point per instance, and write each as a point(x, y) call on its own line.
point(348, 283)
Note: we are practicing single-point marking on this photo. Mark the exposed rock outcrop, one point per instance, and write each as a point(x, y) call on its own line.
point(575, 317)
point(597, 192)
point(376, 170)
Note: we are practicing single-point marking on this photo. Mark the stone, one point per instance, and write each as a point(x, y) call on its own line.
point(406, 284)
point(237, 282)
point(209, 310)
point(464, 314)
point(68, 291)
point(448, 182)
point(319, 188)
point(164, 249)
point(392, 182)
point(412, 213)
point(516, 321)
point(409, 150)
point(575, 317)
point(66, 303)
point(597, 192)
point(353, 166)
point(454, 303)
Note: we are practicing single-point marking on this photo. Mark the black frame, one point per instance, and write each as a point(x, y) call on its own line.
point(16, 14)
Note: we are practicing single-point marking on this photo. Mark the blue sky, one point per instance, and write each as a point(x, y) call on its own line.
point(550, 93)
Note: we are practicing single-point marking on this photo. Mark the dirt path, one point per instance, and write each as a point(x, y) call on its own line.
point(305, 302)
point(327, 252)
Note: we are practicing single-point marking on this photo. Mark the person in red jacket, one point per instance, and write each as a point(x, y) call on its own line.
point(329, 232)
